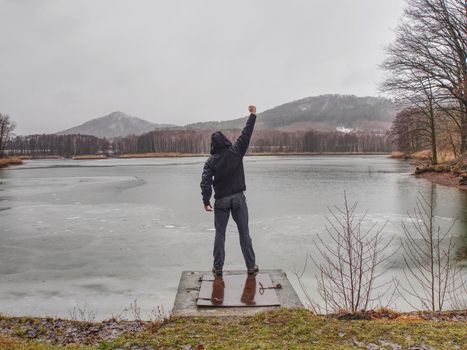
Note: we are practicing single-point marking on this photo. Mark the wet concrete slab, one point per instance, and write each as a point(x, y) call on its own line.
point(239, 290)
point(233, 295)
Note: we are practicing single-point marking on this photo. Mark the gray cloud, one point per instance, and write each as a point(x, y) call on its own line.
point(64, 62)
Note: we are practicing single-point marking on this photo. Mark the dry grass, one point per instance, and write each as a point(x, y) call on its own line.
point(159, 155)
point(89, 156)
point(421, 155)
point(176, 154)
point(41, 157)
point(445, 156)
point(4, 162)
point(398, 155)
point(313, 153)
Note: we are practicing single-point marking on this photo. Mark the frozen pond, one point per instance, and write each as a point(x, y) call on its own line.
point(100, 234)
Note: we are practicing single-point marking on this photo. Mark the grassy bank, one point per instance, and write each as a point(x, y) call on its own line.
point(159, 155)
point(40, 157)
point(316, 153)
point(444, 178)
point(423, 156)
point(452, 173)
point(89, 156)
point(418, 156)
point(449, 171)
point(4, 162)
point(281, 329)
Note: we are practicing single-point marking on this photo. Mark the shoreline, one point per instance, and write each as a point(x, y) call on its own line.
point(452, 173)
point(266, 154)
point(187, 155)
point(444, 179)
point(5, 162)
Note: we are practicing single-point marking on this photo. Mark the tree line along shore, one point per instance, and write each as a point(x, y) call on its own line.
point(197, 142)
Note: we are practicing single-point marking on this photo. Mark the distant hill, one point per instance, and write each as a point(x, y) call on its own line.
point(114, 125)
point(325, 112)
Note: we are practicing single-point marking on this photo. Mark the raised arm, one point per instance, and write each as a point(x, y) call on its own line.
point(206, 185)
point(241, 145)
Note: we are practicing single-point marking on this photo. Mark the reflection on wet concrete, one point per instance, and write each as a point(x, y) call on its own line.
point(218, 287)
point(249, 291)
point(248, 294)
point(237, 290)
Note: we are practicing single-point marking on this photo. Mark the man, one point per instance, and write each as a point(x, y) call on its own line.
point(224, 171)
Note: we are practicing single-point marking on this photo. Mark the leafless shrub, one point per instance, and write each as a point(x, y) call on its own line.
point(352, 262)
point(82, 314)
point(117, 317)
point(299, 275)
point(159, 314)
point(6, 131)
point(458, 289)
point(134, 310)
point(428, 257)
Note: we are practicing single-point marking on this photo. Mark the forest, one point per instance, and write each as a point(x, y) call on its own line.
point(198, 142)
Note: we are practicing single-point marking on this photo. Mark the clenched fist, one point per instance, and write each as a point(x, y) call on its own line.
point(252, 109)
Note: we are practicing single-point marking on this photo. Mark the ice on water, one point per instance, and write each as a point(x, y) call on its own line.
point(101, 234)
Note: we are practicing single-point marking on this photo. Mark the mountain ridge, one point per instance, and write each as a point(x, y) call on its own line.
point(328, 112)
point(322, 112)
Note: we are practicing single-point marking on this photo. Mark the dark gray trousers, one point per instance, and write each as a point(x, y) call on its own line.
point(235, 204)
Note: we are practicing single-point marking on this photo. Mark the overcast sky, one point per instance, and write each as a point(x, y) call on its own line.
point(65, 62)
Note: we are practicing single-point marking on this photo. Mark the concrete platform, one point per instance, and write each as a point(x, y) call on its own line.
point(190, 284)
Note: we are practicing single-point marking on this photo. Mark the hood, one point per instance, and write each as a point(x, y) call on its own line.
point(218, 142)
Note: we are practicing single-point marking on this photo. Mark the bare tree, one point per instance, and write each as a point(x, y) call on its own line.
point(428, 57)
point(415, 89)
point(414, 131)
point(352, 261)
point(449, 137)
point(428, 256)
point(6, 130)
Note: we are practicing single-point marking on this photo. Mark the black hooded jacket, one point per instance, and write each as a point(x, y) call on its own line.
point(226, 164)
